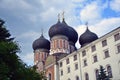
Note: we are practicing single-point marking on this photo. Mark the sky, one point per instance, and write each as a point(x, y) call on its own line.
point(26, 18)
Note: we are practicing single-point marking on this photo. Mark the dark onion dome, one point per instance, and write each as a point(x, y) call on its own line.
point(41, 43)
point(58, 29)
point(73, 35)
point(87, 37)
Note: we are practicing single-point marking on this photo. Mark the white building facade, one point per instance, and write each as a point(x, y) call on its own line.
point(84, 63)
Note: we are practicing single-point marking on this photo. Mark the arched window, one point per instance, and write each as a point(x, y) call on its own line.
point(77, 77)
point(86, 76)
point(49, 76)
point(109, 70)
point(96, 73)
point(68, 79)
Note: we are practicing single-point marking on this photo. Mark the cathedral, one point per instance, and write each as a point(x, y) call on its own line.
point(61, 60)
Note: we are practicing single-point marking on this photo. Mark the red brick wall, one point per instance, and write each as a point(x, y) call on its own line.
point(51, 71)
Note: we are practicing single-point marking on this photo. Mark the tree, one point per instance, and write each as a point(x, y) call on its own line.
point(11, 66)
point(102, 75)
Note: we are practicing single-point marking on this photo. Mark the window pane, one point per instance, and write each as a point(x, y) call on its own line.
point(93, 48)
point(77, 78)
point(85, 62)
point(106, 54)
point(60, 64)
point(83, 53)
point(67, 61)
point(61, 72)
point(68, 69)
point(104, 43)
point(49, 77)
point(86, 76)
point(117, 37)
point(75, 57)
point(69, 79)
point(95, 58)
point(118, 48)
point(96, 73)
point(109, 70)
point(76, 66)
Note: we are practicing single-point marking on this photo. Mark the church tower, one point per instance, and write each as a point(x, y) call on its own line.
point(41, 48)
point(58, 34)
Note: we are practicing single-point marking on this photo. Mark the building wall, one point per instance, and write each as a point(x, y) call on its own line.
point(73, 72)
point(50, 70)
point(113, 60)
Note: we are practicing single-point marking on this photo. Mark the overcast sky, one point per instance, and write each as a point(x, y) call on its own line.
point(25, 18)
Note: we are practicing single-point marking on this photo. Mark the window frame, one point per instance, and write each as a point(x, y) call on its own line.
point(61, 72)
point(68, 69)
point(85, 62)
point(109, 71)
point(117, 37)
point(93, 48)
point(76, 66)
point(86, 76)
point(104, 43)
point(83, 53)
point(61, 64)
point(118, 48)
point(75, 57)
point(67, 61)
point(95, 58)
point(106, 55)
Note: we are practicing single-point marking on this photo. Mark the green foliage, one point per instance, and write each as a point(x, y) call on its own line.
point(102, 75)
point(11, 66)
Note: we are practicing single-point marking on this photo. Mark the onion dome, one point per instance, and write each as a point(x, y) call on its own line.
point(73, 35)
point(58, 29)
point(41, 43)
point(87, 37)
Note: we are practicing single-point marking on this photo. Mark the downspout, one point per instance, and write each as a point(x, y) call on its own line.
point(80, 65)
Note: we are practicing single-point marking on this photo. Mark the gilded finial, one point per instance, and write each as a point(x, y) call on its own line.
point(63, 15)
point(58, 17)
point(86, 24)
point(41, 31)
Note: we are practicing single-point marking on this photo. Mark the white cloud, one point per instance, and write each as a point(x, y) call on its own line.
point(115, 5)
point(15, 4)
point(106, 25)
point(29, 35)
point(28, 58)
point(91, 12)
point(49, 14)
point(102, 27)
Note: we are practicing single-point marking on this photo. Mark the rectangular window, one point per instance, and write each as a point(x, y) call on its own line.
point(60, 44)
point(76, 66)
point(83, 53)
point(106, 54)
point(118, 48)
point(104, 43)
point(85, 62)
point(67, 61)
point(60, 64)
point(95, 58)
point(61, 72)
point(93, 48)
point(117, 37)
point(75, 57)
point(68, 69)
